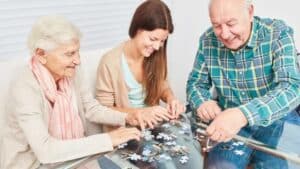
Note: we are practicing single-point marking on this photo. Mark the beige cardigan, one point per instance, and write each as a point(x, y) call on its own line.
point(26, 142)
point(111, 88)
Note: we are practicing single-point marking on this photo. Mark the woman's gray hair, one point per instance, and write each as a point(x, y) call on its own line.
point(50, 31)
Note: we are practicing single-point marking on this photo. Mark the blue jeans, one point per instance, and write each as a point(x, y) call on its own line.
point(293, 117)
point(236, 155)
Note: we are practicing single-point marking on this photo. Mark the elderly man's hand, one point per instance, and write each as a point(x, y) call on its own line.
point(226, 125)
point(208, 110)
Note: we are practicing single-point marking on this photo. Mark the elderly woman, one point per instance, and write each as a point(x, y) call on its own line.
point(49, 105)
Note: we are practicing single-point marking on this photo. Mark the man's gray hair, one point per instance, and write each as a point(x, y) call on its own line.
point(50, 31)
point(248, 3)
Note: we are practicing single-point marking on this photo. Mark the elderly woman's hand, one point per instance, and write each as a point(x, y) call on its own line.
point(175, 108)
point(122, 135)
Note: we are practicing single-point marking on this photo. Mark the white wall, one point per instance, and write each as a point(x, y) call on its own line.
point(288, 10)
point(105, 23)
point(191, 20)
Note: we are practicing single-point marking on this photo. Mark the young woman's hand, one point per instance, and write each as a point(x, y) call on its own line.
point(136, 119)
point(153, 115)
point(175, 108)
point(122, 135)
point(148, 116)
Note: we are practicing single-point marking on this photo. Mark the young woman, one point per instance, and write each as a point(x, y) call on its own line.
point(132, 77)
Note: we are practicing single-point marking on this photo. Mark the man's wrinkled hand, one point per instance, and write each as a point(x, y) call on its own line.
point(226, 125)
point(208, 110)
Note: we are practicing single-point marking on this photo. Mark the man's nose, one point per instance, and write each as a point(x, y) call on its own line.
point(225, 33)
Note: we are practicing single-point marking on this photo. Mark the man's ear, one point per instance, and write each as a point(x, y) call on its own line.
point(251, 12)
point(41, 55)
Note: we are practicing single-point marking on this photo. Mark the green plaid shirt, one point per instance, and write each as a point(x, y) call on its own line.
point(261, 79)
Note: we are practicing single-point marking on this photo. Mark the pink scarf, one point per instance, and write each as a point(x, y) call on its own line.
point(64, 120)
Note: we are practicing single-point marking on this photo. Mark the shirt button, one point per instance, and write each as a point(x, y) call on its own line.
point(243, 93)
point(240, 73)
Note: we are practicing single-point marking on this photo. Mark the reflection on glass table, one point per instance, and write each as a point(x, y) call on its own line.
point(170, 145)
point(283, 154)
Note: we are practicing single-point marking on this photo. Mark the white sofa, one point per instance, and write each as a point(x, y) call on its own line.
point(9, 69)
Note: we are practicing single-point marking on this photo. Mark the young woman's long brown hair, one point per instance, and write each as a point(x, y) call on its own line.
point(151, 15)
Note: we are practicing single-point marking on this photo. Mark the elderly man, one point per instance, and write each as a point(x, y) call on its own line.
point(251, 62)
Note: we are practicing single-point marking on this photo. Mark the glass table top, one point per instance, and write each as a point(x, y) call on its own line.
point(173, 145)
